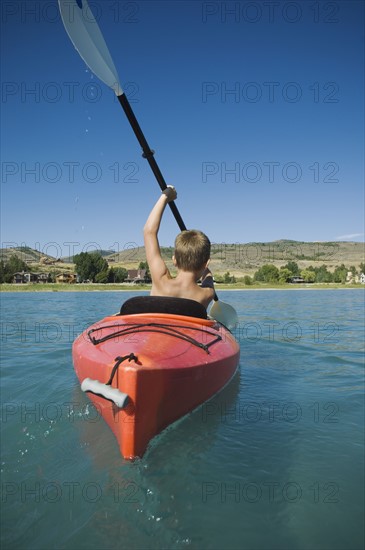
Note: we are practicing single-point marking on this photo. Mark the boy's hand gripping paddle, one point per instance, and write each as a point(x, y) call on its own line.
point(86, 36)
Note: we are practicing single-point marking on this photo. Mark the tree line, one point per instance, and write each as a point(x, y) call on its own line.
point(91, 266)
point(269, 273)
point(9, 268)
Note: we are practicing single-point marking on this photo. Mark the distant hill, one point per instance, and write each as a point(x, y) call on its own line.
point(26, 254)
point(104, 253)
point(237, 258)
point(246, 258)
point(31, 256)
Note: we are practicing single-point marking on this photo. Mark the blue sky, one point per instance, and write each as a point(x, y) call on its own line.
point(255, 111)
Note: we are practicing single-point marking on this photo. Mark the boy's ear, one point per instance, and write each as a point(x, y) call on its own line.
point(174, 260)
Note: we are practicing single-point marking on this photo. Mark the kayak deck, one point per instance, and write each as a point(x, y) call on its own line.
point(166, 364)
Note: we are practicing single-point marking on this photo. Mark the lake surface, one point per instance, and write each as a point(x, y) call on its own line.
point(275, 461)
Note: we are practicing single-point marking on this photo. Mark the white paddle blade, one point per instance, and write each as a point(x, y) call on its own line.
point(225, 314)
point(85, 35)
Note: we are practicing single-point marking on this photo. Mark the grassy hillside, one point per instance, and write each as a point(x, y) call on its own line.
point(25, 253)
point(237, 258)
point(245, 259)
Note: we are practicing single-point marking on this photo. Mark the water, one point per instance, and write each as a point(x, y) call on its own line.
point(275, 461)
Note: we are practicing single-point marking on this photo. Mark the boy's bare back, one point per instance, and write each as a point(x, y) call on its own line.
point(193, 243)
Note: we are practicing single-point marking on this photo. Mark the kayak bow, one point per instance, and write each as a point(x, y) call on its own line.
point(143, 371)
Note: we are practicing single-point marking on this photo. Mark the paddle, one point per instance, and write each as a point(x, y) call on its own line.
point(86, 36)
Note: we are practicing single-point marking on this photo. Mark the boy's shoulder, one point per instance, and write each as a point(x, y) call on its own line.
point(172, 286)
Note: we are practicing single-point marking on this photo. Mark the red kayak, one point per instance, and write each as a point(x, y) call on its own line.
point(147, 367)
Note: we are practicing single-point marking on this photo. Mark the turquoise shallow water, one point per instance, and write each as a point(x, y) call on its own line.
point(275, 461)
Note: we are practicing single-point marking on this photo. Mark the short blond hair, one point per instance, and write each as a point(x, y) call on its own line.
point(192, 250)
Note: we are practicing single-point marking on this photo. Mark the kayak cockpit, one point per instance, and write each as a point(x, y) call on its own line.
point(163, 304)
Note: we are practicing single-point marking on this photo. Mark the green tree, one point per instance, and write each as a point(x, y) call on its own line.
point(308, 276)
point(228, 278)
point(111, 275)
point(293, 268)
point(12, 266)
point(144, 265)
point(2, 272)
point(102, 277)
point(322, 274)
point(120, 274)
point(218, 278)
point(353, 270)
point(89, 264)
point(340, 274)
point(247, 280)
point(267, 273)
point(117, 275)
point(285, 275)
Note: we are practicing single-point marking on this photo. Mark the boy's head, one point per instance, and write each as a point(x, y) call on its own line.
point(192, 250)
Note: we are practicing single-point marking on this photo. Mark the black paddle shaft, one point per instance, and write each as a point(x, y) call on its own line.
point(148, 154)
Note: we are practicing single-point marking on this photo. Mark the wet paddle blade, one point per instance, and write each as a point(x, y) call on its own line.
point(85, 35)
point(224, 313)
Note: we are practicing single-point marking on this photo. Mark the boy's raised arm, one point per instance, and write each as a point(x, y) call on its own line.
point(153, 254)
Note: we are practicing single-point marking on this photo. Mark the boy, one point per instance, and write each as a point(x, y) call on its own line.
point(191, 258)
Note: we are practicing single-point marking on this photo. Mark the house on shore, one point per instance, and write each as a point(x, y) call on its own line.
point(24, 277)
point(68, 278)
point(296, 280)
point(351, 278)
point(137, 276)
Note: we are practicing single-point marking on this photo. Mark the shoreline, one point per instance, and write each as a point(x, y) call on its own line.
point(94, 287)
